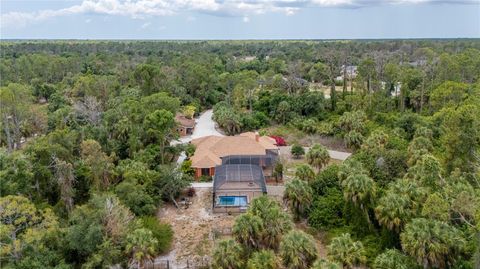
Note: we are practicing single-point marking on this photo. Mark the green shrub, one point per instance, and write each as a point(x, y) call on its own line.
point(249, 123)
point(297, 150)
point(161, 231)
point(187, 168)
point(373, 247)
point(205, 179)
point(309, 126)
point(261, 118)
point(326, 128)
point(189, 149)
point(327, 211)
point(135, 197)
point(326, 179)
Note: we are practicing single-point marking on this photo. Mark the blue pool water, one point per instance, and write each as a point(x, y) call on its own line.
point(232, 200)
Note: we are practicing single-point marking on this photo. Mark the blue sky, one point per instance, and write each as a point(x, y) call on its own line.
point(239, 19)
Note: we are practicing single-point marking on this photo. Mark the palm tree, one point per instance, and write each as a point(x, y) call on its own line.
point(393, 259)
point(359, 189)
point(247, 230)
point(413, 192)
point(261, 206)
point(141, 246)
point(227, 120)
point(417, 148)
point(298, 250)
point(305, 172)
point(276, 225)
point(353, 139)
point(433, 243)
point(393, 210)
point(318, 156)
point(232, 125)
point(350, 167)
point(345, 251)
point(275, 221)
point(299, 195)
point(282, 112)
point(325, 264)
point(228, 254)
point(376, 142)
point(122, 129)
point(427, 171)
point(264, 259)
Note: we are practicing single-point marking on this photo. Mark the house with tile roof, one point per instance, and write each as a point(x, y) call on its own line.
point(185, 125)
point(212, 151)
point(240, 166)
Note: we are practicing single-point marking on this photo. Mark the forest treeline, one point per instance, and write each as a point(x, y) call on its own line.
point(86, 159)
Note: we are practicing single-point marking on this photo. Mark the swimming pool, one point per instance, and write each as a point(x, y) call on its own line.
point(232, 201)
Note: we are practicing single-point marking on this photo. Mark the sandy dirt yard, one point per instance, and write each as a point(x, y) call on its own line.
point(193, 239)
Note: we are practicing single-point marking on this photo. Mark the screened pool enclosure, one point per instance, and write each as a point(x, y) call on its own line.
point(235, 185)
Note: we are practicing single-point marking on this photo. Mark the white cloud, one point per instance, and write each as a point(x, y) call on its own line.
point(145, 25)
point(246, 19)
point(242, 8)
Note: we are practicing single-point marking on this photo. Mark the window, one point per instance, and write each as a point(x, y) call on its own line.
point(205, 171)
point(232, 201)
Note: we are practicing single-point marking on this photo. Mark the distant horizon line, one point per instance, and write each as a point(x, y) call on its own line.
point(239, 39)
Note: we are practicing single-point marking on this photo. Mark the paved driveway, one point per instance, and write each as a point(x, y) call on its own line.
point(339, 155)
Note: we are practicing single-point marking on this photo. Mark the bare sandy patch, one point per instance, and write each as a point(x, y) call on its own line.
point(193, 226)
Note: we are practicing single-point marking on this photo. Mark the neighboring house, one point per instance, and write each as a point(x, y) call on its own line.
point(235, 186)
point(247, 148)
point(351, 72)
point(185, 125)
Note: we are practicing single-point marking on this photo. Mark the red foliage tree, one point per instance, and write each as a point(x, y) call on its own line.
point(279, 141)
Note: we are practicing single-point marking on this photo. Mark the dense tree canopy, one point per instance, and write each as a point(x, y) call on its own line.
point(86, 157)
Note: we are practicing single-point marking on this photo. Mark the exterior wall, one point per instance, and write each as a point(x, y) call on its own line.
point(182, 131)
point(198, 172)
point(212, 171)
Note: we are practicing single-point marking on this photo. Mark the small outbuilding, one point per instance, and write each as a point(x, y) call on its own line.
point(235, 186)
point(185, 125)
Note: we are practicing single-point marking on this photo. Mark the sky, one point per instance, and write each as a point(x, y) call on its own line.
point(239, 19)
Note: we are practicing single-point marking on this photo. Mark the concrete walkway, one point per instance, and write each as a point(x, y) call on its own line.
point(202, 185)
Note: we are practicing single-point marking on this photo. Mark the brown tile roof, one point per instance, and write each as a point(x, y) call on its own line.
point(210, 149)
point(183, 121)
point(266, 141)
